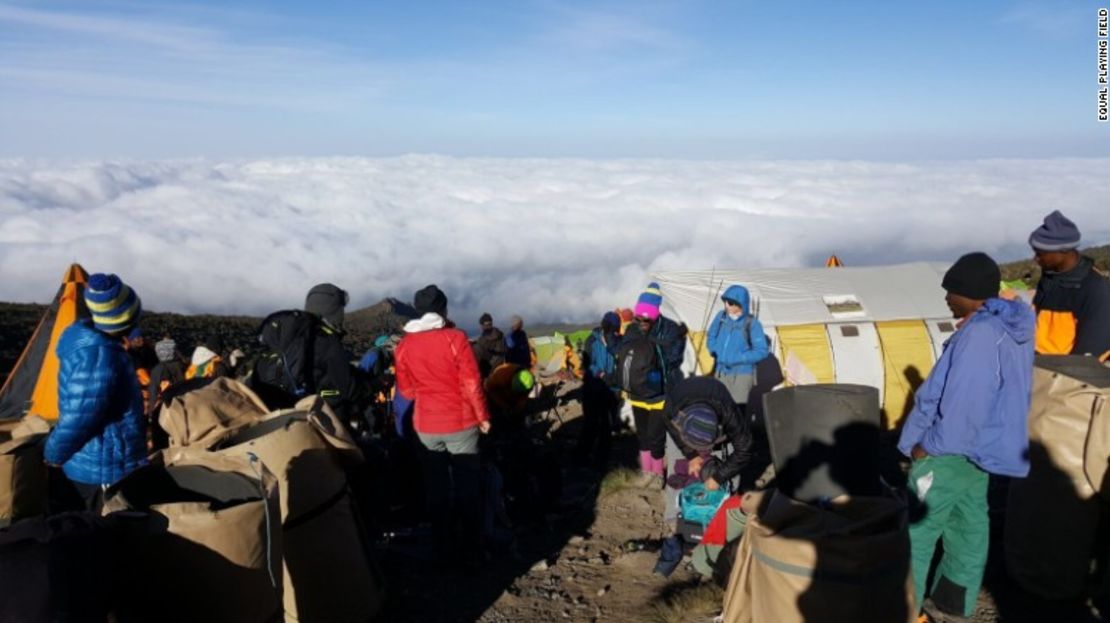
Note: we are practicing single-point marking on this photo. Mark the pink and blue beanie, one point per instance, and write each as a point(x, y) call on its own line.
point(647, 306)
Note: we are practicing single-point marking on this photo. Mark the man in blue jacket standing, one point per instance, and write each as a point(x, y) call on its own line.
point(101, 432)
point(968, 421)
point(600, 391)
point(737, 343)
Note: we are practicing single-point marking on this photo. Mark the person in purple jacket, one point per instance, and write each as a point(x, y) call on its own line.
point(968, 421)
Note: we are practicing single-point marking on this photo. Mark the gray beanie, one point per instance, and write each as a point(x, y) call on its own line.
point(1057, 233)
point(327, 301)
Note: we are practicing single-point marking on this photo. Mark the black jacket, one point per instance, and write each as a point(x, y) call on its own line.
point(731, 424)
point(340, 384)
point(670, 338)
point(169, 372)
point(490, 350)
point(1073, 303)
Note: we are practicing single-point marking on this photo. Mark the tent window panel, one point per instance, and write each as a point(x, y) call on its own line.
point(849, 330)
point(946, 327)
point(907, 360)
point(809, 344)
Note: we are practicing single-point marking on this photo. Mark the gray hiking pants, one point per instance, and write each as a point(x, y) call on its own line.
point(739, 386)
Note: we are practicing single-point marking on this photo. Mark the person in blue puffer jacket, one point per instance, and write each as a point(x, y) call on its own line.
point(737, 343)
point(101, 431)
point(968, 421)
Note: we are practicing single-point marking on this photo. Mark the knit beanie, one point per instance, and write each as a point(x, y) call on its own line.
point(484, 318)
point(327, 301)
point(114, 306)
point(975, 276)
point(165, 349)
point(523, 382)
point(1057, 233)
point(430, 300)
point(697, 425)
point(611, 321)
point(647, 306)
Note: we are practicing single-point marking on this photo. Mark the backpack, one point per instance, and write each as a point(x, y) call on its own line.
point(288, 336)
point(640, 368)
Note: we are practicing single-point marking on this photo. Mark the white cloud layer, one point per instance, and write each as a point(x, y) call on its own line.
point(553, 240)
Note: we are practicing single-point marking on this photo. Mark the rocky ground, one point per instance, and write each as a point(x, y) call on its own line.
point(577, 565)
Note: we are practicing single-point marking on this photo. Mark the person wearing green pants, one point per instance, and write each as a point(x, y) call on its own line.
point(968, 421)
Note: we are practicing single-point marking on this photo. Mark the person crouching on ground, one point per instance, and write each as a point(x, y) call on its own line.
point(437, 370)
point(737, 343)
point(101, 432)
point(968, 421)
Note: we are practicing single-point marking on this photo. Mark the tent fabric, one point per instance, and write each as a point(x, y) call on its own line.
point(796, 296)
point(908, 357)
point(833, 262)
point(810, 345)
point(32, 385)
point(799, 563)
point(857, 355)
point(1068, 450)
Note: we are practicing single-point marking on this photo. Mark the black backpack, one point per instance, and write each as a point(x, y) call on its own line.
point(288, 365)
point(640, 368)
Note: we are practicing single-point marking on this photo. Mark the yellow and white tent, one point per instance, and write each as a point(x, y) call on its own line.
point(882, 326)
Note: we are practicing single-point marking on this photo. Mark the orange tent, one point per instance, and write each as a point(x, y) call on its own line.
point(32, 386)
point(833, 262)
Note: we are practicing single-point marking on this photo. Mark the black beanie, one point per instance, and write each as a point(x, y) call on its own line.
point(430, 300)
point(485, 318)
point(327, 301)
point(975, 276)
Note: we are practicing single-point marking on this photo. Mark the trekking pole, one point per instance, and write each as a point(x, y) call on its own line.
point(709, 302)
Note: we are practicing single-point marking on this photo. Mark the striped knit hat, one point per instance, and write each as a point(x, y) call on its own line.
point(114, 306)
point(647, 306)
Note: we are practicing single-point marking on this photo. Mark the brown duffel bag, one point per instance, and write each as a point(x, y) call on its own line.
point(202, 537)
point(799, 563)
point(330, 574)
point(1053, 516)
point(213, 411)
point(23, 492)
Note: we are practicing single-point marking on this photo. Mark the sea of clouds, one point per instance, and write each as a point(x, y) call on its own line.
point(552, 240)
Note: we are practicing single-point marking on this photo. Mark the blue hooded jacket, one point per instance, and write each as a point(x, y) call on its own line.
point(101, 430)
point(737, 345)
point(976, 400)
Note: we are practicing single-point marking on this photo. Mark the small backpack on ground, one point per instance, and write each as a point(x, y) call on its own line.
point(640, 368)
point(288, 337)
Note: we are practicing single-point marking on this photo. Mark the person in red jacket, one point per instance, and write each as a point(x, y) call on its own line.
point(436, 368)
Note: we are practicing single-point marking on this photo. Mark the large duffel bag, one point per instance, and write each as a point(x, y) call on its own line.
point(202, 537)
point(848, 560)
point(204, 412)
point(23, 491)
point(1053, 516)
point(330, 574)
point(60, 569)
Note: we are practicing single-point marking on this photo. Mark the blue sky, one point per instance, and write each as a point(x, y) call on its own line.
point(645, 79)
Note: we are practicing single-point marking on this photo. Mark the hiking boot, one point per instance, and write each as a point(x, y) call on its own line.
point(930, 613)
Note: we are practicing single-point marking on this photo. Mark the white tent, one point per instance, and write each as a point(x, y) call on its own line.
point(882, 326)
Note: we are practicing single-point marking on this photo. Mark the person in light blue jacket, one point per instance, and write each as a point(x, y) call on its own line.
point(101, 431)
point(737, 343)
point(968, 421)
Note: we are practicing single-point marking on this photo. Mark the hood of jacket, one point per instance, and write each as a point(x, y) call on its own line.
point(740, 295)
point(1016, 318)
point(202, 356)
point(428, 322)
point(82, 334)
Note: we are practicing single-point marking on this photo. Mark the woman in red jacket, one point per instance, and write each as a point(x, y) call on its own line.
point(436, 368)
